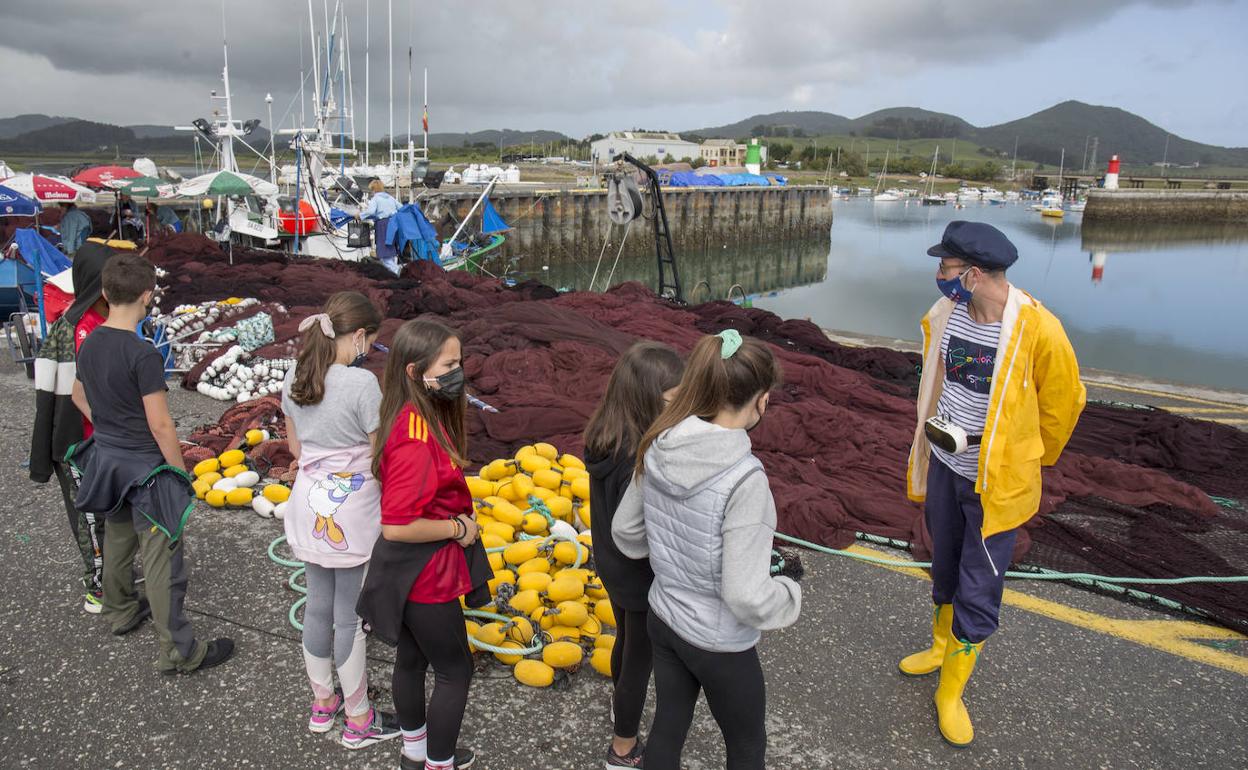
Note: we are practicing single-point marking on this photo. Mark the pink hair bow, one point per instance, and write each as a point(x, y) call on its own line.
point(327, 326)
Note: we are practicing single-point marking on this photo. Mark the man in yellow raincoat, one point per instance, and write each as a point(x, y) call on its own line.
point(998, 398)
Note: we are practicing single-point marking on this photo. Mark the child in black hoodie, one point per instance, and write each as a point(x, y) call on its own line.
point(644, 379)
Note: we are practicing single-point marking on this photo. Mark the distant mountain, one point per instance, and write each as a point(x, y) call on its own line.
point(21, 124)
point(910, 123)
point(69, 135)
point(1138, 142)
point(148, 131)
point(507, 136)
point(808, 123)
point(72, 136)
point(1041, 136)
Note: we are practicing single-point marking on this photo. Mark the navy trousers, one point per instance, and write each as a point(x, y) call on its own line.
point(967, 571)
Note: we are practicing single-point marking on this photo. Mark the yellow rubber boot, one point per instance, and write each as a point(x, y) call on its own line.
point(955, 671)
point(929, 660)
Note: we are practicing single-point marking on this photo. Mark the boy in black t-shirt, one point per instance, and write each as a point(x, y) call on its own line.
point(121, 389)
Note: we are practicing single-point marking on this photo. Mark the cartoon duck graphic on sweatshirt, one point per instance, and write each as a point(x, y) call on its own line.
point(325, 498)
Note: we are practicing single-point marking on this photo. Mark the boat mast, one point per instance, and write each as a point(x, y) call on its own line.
point(424, 115)
point(368, 27)
point(390, 34)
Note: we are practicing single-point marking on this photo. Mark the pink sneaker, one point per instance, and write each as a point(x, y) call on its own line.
point(322, 718)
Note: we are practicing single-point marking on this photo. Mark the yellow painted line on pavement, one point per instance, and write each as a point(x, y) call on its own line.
point(1206, 409)
point(1163, 394)
point(1172, 636)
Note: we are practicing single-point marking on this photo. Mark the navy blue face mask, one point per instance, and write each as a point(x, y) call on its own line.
point(954, 289)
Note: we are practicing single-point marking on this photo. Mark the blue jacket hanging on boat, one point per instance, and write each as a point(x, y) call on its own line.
point(410, 226)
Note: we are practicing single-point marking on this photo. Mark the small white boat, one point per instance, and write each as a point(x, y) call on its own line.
point(887, 195)
point(1078, 206)
point(990, 194)
point(968, 194)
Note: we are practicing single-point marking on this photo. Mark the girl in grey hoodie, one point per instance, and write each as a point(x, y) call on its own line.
point(700, 508)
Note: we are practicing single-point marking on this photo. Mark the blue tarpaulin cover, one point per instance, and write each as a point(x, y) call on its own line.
point(744, 180)
point(338, 217)
point(33, 246)
point(690, 179)
point(409, 225)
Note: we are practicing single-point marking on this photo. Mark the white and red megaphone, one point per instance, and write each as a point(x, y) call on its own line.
point(1111, 174)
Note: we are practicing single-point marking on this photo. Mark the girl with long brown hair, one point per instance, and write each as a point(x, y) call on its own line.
point(427, 523)
point(643, 381)
point(333, 516)
point(700, 509)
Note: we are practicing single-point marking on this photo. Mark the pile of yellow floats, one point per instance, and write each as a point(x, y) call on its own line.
point(550, 611)
point(228, 481)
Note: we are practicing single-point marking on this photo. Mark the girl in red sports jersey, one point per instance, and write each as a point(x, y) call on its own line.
point(425, 500)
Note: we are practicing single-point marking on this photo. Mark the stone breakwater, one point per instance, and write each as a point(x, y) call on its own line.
point(571, 225)
point(1177, 206)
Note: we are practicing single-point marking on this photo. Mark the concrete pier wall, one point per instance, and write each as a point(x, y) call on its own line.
point(571, 225)
point(1165, 206)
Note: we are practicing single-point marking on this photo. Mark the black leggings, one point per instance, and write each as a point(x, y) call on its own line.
point(735, 691)
point(433, 634)
point(631, 662)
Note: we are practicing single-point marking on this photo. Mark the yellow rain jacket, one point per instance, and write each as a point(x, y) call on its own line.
point(1036, 400)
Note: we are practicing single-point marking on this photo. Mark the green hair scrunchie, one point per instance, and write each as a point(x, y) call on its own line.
point(730, 342)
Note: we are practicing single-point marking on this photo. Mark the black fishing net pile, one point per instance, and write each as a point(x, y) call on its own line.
point(1130, 497)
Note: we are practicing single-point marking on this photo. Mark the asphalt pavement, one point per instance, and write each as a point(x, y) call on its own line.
point(1048, 692)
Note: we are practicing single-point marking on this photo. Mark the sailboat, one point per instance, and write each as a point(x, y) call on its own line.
point(880, 193)
point(1051, 203)
point(930, 198)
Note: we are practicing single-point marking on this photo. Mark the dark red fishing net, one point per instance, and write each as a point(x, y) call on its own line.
point(1129, 497)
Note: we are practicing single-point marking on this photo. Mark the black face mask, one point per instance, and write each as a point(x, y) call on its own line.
point(756, 422)
point(450, 385)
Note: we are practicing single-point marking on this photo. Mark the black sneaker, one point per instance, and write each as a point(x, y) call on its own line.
point(383, 726)
point(632, 759)
point(218, 652)
point(463, 760)
point(145, 612)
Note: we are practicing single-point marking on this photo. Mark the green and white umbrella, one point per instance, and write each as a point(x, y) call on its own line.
point(144, 187)
point(226, 183)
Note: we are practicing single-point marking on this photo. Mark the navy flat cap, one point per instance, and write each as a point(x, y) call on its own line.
point(977, 243)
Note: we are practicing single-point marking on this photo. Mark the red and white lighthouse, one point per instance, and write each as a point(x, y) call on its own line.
point(1111, 174)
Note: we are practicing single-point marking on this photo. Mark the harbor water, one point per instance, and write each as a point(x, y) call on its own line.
point(1167, 302)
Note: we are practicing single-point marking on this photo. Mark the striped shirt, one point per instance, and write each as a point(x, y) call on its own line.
point(968, 351)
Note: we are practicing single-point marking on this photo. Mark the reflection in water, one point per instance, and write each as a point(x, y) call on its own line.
point(1099, 239)
point(1145, 236)
point(757, 269)
point(1170, 307)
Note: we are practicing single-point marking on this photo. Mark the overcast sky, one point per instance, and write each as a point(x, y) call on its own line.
point(583, 66)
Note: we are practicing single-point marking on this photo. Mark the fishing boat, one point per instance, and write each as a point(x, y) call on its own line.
point(468, 252)
point(252, 213)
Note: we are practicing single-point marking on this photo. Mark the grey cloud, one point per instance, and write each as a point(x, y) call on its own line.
point(497, 63)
